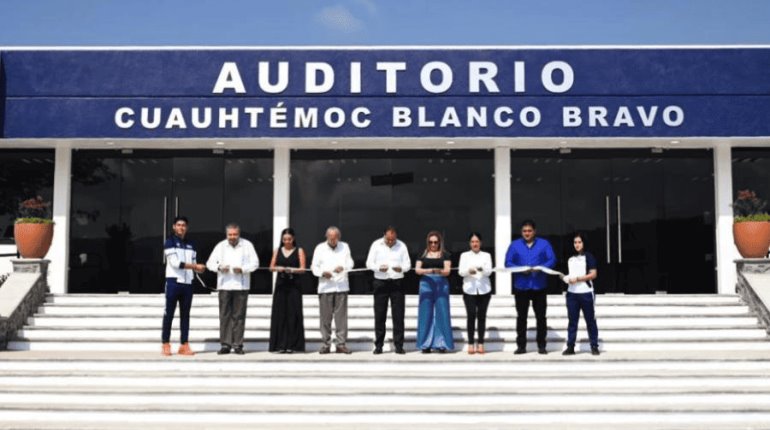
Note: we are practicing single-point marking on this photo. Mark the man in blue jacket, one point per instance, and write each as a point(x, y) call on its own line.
point(530, 251)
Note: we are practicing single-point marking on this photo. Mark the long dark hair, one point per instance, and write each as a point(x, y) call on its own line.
point(582, 237)
point(289, 231)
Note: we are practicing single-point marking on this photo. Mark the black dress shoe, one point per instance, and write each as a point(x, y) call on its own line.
point(442, 350)
point(238, 350)
point(289, 351)
point(426, 351)
point(325, 349)
point(520, 350)
point(542, 351)
point(377, 350)
point(400, 350)
point(569, 351)
point(224, 350)
point(595, 350)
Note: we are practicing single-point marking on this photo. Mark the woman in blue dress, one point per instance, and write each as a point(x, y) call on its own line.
point(434, 324)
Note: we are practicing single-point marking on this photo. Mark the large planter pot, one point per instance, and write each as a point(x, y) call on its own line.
point(33, 240)
point(752, 238)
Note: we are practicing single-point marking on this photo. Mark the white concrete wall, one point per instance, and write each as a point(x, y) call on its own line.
point(281, 196)
point(59, 252)
point(5, 262)
point(726, 252)
point(502, 216)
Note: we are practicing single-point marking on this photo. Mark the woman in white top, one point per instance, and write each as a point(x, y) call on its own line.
point(580, 295)
point(475, 268)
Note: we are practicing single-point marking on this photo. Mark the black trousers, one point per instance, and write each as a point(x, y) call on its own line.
point(385, 290)
point(539, 301)
point(476, 308)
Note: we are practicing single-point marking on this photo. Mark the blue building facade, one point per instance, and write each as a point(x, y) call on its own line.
point(641, 148)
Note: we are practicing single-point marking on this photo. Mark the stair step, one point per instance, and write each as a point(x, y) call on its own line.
point(412, 364)
point(554, 335)
point(359, 300)
point(90, 419)
point(556, 345)
point(378, 383)
point(360, 403)
point(212, 322)
point(456, 310)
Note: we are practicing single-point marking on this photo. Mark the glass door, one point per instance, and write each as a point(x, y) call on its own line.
point(647, 215)
point(135, 243)
point(636, 211)
point(362, 192)
point(123, 205)
point(586, 206)
point(248, 201)
point(198, 192)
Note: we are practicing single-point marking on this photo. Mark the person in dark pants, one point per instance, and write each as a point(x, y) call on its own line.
point(580, 295)
point(287, 328)
point(388, 259)
point(234, 259)
point(180, 264)
point(530, 286)
point(475, 267)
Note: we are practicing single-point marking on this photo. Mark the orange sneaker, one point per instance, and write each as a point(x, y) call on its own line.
point(471, 349)
point(166, 349)
point(480, 348)
point(184, 349)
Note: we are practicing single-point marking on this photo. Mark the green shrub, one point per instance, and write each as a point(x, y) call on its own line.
point(34, 220)
point(755, 217)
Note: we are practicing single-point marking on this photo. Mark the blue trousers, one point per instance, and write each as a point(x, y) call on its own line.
point(576, 303)
point(434, 324)
point(182, 293)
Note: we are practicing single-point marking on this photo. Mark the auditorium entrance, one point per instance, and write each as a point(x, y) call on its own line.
point(647, 214)
point(363, 191)
point(123, 204)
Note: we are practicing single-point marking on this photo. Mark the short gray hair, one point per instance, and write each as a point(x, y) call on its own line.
point(232, 226)
point(333, 229)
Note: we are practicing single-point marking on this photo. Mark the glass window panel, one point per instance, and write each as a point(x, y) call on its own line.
point(23, 174)
point(123, 205)
point(417, 191)
point(248, 201)
point(98, 239)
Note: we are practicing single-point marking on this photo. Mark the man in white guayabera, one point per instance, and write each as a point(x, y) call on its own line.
point(331, 263)
point(233, 259)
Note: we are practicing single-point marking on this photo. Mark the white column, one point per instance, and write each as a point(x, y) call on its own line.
point(281, 189)
point(59, 252)
point(726, 252)
point(502, 216)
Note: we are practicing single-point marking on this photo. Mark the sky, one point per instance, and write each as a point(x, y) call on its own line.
point(382, 22)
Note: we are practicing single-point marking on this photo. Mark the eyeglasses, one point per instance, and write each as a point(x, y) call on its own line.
point(433, 241)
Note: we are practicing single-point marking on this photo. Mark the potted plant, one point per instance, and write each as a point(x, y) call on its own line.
point(33, 230)
point(751, 227)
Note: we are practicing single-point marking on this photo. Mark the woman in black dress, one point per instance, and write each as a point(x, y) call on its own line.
point(287, 329)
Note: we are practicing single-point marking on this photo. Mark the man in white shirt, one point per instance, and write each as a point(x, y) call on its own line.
point(233, 259)
point(331, 263)
point(388, 259)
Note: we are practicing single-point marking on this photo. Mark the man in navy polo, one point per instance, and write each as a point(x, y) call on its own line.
point(180, 264)
point(530, 251)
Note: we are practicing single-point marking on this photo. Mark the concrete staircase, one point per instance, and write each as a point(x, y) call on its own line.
point(90, 361)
